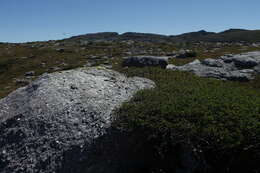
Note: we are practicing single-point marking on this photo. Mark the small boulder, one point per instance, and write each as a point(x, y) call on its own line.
point(29, 73)
point(60, 50)
point(257, 69)
point(186, 54)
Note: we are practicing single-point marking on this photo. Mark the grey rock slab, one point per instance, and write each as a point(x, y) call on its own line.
point(190, 67)
point(241, 67)
point(244, 60)
point(257, 69)
point(212, 62)
point(57, 112)
point(241, 75)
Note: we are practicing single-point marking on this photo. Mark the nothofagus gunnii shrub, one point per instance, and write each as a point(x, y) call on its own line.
point(219, 120)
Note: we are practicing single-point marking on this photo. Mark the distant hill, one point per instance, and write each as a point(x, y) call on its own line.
point(231, 35)
point(144, 37)
point(191, 36)
point(96, 36)
point(110, 36)
point(234, 30)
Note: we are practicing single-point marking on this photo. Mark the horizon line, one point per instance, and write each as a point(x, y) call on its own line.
point(121, 33)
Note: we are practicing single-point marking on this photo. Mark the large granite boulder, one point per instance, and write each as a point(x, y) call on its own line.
point(257, 69)
point(241, 67)
point(142, 61)
point(56, 114)
point(243, 61)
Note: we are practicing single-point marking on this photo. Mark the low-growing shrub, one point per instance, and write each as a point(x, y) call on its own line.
point(219, 120)
point(189, 54)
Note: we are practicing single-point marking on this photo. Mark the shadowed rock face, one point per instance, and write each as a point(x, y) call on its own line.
point(142, 61)
point(241, 67)
point(59, 112)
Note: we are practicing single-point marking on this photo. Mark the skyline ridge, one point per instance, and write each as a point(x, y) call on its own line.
point(148, 33)
point(30, 20)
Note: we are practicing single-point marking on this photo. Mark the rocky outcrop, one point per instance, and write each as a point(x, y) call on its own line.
point(142, 61)
point(43, 124)
point(241, 67)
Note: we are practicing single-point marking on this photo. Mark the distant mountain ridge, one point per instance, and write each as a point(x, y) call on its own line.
point(110, 36)
point(231, 35)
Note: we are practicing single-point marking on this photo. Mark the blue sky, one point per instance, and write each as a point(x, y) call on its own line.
point(32, 20)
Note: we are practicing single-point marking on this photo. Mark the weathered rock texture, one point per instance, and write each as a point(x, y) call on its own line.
point(241, 67)
point(142, 61)
point(59, 112)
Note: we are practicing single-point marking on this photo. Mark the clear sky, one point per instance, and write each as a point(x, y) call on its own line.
point(35, 20)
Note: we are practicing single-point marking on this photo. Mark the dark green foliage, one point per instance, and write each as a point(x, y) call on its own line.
point(221, 120)
point(191, 54)
point(4, 64)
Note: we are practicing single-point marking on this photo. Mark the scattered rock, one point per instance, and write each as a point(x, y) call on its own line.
point(61, 50)
point(43, 64)
point(89, 64)
point(240, 67)
point(107, 66)
point(32, 56)
point(173, 53)
point(93, 57)
point(60, 113)
point(186, 54)
point(29, 73)
point(63, 64)
point(55, 68)
point(128, 53)
point(142, 61)
point(106, 62)
point(22, 81)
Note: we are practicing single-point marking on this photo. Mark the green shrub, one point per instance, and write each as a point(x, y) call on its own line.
point(191, 54)
point(220, 119)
